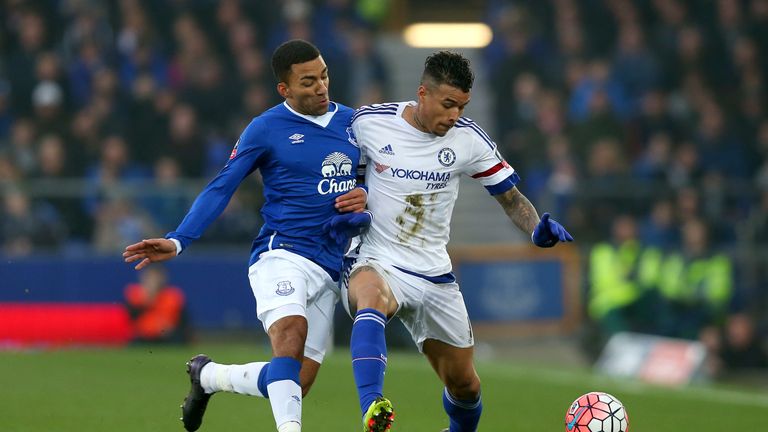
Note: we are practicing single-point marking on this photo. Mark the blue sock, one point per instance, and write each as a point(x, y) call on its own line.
point(262, 381)
point(369, 355)
point(464, 414)
point(280, 368)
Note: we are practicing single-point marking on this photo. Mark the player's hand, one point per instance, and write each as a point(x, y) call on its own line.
point(149, 251)
point(345, 226)
point(548, 232)
point(352, 201)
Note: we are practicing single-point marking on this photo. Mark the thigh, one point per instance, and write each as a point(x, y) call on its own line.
point(439, 314)
point(279, 285)
point(320, 311)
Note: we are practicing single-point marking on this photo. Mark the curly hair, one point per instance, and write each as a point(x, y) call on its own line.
point(445, 67)
point(290, 53)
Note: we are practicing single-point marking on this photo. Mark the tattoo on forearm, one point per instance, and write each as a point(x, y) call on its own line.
point(519, 210)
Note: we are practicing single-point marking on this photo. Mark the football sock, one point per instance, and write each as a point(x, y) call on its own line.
point(464, 414)
point(282, 380)
point(289, 427)
point(248, 379)
point(369, 355)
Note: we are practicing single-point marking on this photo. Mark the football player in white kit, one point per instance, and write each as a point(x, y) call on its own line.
point(415, 153)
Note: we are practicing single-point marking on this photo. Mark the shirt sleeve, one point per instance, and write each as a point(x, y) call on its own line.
point(487, 165)
point(247, 155)
point(363, 154)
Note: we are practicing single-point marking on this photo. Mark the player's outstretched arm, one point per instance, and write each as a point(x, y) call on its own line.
point(545, 232)
point(149, 251)
point(519, 210)
point(352, 201)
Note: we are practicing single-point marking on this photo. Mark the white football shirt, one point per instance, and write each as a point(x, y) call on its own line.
point(413, 180)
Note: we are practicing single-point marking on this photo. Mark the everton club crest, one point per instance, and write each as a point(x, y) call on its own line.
point(284, 288)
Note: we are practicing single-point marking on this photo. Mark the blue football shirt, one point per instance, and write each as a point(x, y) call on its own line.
point(304, 166)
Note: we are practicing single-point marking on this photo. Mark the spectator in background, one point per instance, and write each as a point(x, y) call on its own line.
point(167, 202)
point(26, 227)
point(635, 66)
point(31, 37)
point(185, 141)
point(21, 145)
point(48, 69)
point(118, 220)
point(659, 228)
point(737, 347)
point(6, 115)
point(653, 163)
point(114, 170)
point(157, 309)
point(654, 118)
point(48, 103)
point(54, 168)
point(598, 94)
point(606, 169)
point(696, 285)
point(367, 69)
point(719, 150)
point(622, 272)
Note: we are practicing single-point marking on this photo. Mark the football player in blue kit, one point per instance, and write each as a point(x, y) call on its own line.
point(308, 157)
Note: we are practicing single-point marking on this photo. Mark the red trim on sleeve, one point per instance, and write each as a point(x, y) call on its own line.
point(490, 171)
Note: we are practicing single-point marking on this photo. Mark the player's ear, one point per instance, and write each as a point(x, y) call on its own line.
point(421, 92)
point(283, 90)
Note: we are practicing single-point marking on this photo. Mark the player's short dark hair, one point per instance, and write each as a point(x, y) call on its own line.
point(445, 67)
point(290, 53)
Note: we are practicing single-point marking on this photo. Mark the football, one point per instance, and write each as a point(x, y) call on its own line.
point(596, 412)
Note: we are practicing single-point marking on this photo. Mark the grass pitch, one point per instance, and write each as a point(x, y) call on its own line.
point(141, 388)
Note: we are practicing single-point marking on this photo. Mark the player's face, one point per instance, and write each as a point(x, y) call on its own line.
point(440, 106)
point(307, 88)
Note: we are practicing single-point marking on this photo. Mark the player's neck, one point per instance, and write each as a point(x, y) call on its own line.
point(412, 117)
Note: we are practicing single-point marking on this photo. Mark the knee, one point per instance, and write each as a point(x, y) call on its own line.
point(367, 290)
point(370, 295)
point(465, 386)
point(288, 336)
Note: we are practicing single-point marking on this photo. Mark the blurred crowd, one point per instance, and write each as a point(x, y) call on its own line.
point(139, 98)
point(644, 126)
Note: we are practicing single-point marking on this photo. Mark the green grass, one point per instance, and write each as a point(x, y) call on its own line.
point(140, 389)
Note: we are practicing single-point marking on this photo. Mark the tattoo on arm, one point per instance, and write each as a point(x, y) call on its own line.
point(519, 210)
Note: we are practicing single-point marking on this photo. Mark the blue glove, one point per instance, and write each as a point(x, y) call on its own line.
point(548, 232)
point(345, 226)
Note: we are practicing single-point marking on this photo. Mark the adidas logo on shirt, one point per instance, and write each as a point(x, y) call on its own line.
point(387, 150)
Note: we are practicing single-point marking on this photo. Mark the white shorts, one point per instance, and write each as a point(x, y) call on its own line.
point(428, 310)
point(286, 284)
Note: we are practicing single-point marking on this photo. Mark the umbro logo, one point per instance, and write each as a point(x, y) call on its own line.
point(387, 150)
point(296, 138)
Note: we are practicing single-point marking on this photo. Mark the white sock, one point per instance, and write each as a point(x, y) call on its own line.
point(289, 427)
point(285, 397)
point(243, 379)
point(209, 374)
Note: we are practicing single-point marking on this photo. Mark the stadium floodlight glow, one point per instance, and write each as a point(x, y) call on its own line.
point(448, 35)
